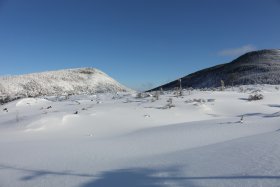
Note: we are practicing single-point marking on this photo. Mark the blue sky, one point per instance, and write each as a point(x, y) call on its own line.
point(140, 43)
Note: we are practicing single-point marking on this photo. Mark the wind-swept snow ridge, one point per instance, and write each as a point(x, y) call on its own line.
point(62, 82)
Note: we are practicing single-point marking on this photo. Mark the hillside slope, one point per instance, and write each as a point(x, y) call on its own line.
point(257, 67)
point(63, 82)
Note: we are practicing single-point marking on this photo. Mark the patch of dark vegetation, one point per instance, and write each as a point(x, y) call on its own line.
point(7, 99)
point(87, 71)
point(255, 97)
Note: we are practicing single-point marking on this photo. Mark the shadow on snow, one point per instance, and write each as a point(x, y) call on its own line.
point(138, 177)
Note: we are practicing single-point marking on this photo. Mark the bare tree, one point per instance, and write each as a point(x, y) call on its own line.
point(222, 85)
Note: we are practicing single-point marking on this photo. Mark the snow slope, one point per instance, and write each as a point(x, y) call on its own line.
point(63, 82)
point(120, 140)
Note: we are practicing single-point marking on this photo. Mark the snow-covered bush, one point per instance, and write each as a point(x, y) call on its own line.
point(6, 99)
point(255, 97)
point(142, 95)
point(241, 89)
point(178, 92)
point(156, 95)
point(195, 100)
point(2, 89)
point(138, 95)
point(161, 91)
point(200, 101)
point(32, 88)
point(211, 100)
point(169, 104)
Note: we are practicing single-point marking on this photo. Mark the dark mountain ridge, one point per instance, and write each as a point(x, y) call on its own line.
point(257, 67)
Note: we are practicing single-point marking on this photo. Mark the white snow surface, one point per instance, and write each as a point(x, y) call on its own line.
point(62, 82)
point(118, 140)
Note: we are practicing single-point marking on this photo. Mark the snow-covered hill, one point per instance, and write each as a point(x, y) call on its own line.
point(111, 140)
point(257, 67)
point(63, 82)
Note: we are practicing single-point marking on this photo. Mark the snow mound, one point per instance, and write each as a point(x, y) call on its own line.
point(31, 101)
point(42, 124)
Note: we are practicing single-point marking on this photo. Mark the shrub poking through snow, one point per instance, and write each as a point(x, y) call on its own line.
point(161, 91)
point(142, 95)
point(241, 89)
point(255, 97)
point(156, 95)
point(199, 100)
point(180, 91)
point(169, 103)
point(138, 95)
point(241, 119)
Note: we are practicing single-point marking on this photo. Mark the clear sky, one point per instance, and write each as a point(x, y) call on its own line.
point(140, 43)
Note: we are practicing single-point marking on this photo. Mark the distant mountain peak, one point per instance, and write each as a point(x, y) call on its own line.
point(256, 67)
point(61, 82)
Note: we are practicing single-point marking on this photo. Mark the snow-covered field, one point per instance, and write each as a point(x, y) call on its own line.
point(118, 140)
